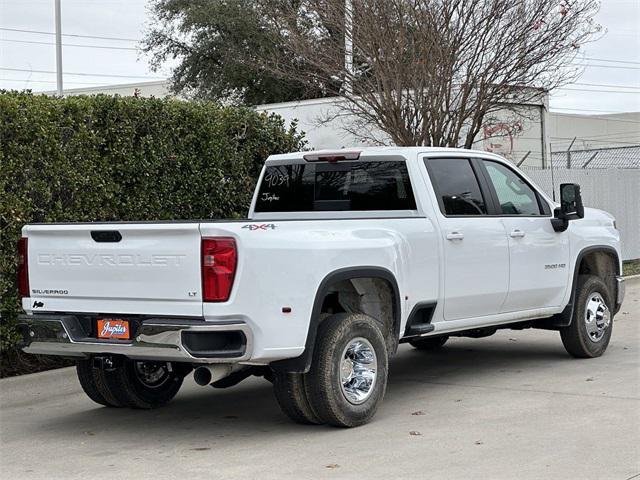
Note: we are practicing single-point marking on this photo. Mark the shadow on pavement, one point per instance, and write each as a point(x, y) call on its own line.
point(250, 409)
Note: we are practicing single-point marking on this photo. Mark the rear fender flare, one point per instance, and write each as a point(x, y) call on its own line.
point(302, 363)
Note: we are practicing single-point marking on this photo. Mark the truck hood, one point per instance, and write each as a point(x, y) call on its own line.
point(604, 218)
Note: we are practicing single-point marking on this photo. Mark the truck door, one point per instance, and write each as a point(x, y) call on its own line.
point(538, 256)
point(476, 248)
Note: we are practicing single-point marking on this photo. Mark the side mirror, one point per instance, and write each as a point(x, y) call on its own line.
point(571, 207)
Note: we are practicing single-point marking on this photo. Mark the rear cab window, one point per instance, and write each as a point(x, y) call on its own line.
point(361, 185)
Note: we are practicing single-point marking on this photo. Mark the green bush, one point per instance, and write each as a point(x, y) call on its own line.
point(104, 158)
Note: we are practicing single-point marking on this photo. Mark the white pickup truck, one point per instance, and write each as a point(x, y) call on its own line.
point(344, 255)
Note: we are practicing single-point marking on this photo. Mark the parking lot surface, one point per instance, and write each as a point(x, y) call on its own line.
point(513, 405)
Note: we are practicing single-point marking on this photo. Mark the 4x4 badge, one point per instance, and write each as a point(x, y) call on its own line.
point(260, 226)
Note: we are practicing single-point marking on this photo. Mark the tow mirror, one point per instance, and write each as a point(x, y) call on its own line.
point(571, 207)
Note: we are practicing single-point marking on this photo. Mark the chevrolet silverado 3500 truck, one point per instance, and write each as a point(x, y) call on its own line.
point(344, 255)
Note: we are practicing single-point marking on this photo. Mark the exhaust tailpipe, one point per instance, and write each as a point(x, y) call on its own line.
point(206, 375)
point(202, 376)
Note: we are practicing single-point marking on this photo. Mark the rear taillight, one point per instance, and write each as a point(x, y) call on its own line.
point(219, 258)
point(23, 267)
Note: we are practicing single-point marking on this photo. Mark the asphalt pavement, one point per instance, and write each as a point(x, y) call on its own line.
point(513, 405)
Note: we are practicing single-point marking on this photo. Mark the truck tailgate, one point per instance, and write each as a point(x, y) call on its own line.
point(151, 268)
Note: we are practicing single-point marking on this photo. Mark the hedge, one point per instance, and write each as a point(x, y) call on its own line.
point(104, 158)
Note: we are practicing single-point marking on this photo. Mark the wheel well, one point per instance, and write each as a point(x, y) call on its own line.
point(601, 261)
point(371, 296)
point(603, 264)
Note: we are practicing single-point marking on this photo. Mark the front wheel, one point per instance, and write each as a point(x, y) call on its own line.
point(348, 375)
point(590, 330)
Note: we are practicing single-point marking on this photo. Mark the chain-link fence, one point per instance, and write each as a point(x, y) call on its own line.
point(601, 158)
point(609, 180)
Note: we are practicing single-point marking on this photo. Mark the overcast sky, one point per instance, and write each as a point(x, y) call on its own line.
point(610, 82)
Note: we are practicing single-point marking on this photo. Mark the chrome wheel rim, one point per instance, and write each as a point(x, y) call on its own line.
point(152, 374)
point(358, 370)
point(597, 317)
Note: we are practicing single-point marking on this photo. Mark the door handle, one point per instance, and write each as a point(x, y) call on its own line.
point(455, 236)
point(517, 233)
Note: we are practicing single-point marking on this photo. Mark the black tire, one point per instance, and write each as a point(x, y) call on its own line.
point(125, 382)
point(93, 383)
point(576, 337)
point(291, 395)
point(429, 343)
point(324, 385)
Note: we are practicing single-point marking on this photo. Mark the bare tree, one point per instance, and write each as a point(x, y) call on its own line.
point(431, 72)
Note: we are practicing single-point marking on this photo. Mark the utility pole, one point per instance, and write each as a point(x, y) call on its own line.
point(58, 48)
point(348, 47)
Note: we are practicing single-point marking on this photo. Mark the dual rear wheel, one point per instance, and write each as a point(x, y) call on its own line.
point(130, 383)
point(348, 375)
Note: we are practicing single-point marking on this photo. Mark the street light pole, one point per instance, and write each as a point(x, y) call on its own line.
point(348, 47)
point(58, 47)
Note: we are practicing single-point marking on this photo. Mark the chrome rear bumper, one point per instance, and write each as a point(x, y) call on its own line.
point(155, 339)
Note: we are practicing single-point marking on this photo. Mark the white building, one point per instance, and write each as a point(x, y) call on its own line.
point(519, 139)
point(528, 141)
point(594, 131)
point(158, 88)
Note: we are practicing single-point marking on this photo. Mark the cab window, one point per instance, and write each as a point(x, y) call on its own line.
point(456, 186)
point(348, 186)
point(515, 196)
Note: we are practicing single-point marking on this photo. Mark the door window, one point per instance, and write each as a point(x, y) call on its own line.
point(515, 196)
point(456, 186)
